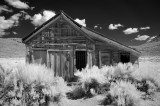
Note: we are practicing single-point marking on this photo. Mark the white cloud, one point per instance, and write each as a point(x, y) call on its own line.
point(151, 38)
point(5, 8)
point(81, 22)
point(96, 26)
point(15, 18)
point(40, 18)
point(18, 4)
point(144, 28)
point(114, 26)
point(130, 31)
point(32, 8)
point(8, 23)
point(142, 38)
point(24, 12)
point(15, 33)
point(27, 17)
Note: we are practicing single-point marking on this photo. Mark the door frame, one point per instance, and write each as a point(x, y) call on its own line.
point(70, 72)
point(87, 51)
point(86, 54)
point(74, 58)
point(52, 50)
point(100, 57)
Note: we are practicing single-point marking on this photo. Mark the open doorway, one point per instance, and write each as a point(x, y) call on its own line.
point(81, 59)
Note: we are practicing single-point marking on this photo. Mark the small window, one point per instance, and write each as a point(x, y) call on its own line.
point(124, 57)
point(42, 37)
point(105, 58)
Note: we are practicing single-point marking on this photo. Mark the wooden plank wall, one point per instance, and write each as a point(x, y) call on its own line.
point(39, 57)
point(62, 63)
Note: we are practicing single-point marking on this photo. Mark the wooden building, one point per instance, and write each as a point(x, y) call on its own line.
point(64, 45)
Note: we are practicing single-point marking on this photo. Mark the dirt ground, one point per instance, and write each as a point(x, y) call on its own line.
point(94, 101)
point(11, 61)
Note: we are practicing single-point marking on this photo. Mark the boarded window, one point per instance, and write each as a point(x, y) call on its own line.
point(39, 56)
point(105, 58)
point(124, 57)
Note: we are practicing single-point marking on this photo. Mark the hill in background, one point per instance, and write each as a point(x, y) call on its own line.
point(156, 39)
point(151, 48)
point(12, 48)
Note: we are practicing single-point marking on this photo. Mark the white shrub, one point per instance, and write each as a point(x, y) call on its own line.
point(148, 71)
point(87, 74)
point(29, 85)
point(126, 93)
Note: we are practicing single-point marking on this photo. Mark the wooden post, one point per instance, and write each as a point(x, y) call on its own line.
point(94, 55)
point(111, 58)
point(48, 60)
point(99, 59)
point(27, 54)
point(87, 41)
point(74, 59)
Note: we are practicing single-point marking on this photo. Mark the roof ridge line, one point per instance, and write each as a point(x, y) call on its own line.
point(109, 38)
point(78, 25)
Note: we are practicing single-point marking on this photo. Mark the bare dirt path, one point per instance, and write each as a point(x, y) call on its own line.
point(84, 102)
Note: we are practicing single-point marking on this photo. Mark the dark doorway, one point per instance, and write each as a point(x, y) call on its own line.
point(81, 59)
point(125, 57)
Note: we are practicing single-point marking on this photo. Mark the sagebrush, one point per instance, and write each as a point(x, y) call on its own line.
point(31, 85)
point(122, 85)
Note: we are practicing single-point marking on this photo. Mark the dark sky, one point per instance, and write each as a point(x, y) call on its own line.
point(133, 22)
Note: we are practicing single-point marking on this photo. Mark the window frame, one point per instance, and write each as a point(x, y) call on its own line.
point(125, 54)
point(100, 57)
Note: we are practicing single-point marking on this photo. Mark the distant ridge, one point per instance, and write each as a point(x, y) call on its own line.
point(156, 39)
point(151, 48)
point(12, 48)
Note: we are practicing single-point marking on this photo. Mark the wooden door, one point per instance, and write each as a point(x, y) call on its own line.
point(62, 63)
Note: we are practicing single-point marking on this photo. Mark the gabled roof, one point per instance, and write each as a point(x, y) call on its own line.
point(39, 28)
point(87, 31)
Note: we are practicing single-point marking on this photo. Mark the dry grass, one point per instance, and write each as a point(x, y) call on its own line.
point(87, 74)
point(121, 88)
point(10, 62)
point(11, 48)
point(31, 84)
point(148, 70)
point(126, 93)
point(126, 82)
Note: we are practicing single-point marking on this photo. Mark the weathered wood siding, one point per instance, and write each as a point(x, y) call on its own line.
point(97, 58)
point(39, 56)
point(116, 58)
point(110, 55)
point(56, 46)
point(57, 43)
point(62, 63)
point(134, 59)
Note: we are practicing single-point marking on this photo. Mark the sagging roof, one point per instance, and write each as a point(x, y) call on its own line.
point(91, 33)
